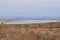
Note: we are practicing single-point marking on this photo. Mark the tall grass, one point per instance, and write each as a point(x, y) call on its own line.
point(43, 31)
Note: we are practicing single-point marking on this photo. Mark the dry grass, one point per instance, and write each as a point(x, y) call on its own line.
point(46, 31)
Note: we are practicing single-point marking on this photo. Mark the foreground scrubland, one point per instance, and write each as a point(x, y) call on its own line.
point(42, 31)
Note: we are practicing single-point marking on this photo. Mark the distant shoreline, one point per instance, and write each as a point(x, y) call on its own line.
point(33, 25)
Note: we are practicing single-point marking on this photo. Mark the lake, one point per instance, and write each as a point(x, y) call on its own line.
point(30, 21)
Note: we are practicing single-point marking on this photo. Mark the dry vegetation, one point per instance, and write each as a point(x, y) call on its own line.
point(45, 31)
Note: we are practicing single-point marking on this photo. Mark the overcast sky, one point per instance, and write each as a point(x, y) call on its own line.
point(29, 8)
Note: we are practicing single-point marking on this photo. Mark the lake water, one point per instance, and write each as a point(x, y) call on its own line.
point(30, 21)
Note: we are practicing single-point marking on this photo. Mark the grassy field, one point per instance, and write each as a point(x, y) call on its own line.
point(43, 31)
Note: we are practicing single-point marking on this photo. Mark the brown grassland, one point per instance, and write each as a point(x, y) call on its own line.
point(42, 31)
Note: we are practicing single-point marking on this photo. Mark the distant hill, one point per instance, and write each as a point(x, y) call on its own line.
point(32, 18)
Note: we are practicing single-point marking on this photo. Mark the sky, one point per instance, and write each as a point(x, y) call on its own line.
point(29, 8)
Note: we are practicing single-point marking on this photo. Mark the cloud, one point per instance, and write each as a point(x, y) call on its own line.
point(21, 10)
point(42, 3)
